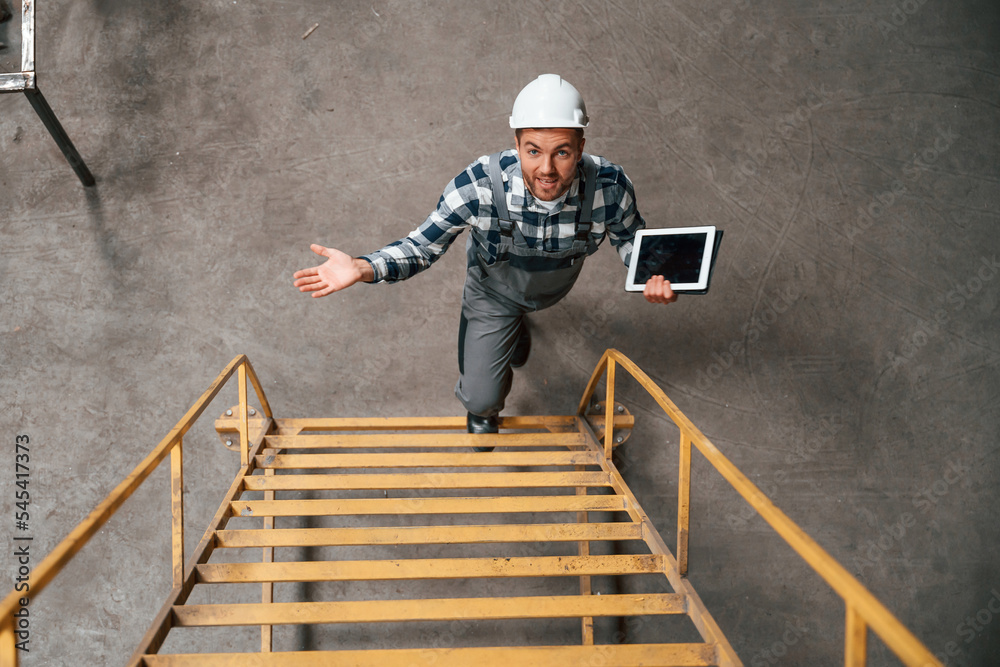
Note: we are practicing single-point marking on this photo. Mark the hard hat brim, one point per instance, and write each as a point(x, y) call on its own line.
point(525, 125)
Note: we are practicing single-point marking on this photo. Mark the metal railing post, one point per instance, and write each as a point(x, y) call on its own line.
point(855, 639)
point(583, 549)
point(244, 426)
point(27, 36)
point(177, 510)
point(267, 588)
point(609, 410)
point(683, 503)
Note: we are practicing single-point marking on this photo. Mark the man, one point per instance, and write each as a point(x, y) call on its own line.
point(534, 214)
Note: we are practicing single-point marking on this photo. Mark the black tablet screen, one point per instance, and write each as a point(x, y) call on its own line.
point(676, 257)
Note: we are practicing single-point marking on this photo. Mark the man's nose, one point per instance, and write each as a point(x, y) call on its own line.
point(547, 164)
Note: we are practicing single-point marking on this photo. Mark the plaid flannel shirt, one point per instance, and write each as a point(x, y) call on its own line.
point(468, 200)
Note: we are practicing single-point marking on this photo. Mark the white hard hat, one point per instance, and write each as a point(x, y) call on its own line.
point(549, 101)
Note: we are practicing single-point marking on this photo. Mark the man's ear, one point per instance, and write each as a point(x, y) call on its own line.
point(583, 141)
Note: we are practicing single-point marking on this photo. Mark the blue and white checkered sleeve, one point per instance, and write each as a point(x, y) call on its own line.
point(457, 208)
point(623, 217)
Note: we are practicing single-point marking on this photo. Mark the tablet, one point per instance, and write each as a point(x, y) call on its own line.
point(682, 255)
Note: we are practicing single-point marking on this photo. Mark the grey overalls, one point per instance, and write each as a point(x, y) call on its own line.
point(499, 292)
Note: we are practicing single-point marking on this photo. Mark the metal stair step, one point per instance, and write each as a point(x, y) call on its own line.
point(620, 655)
point(500, 533)
point(373, 440)
point(271, 459)
point(428, 568)
point(550, 422)
point(445, 609)
point(437, 480)
point(406, 506)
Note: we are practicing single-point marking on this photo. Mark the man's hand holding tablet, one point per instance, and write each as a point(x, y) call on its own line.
point(657, 290)
point(667, 262)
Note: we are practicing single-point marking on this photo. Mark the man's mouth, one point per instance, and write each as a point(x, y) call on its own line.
point(547, 182)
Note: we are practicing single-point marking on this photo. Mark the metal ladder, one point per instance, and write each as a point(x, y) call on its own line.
point(436, 493)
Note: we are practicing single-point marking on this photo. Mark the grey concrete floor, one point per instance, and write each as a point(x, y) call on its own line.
point(846, 357)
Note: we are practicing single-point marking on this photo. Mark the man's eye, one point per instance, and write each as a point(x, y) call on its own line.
point(563, 153)
point(532, 151)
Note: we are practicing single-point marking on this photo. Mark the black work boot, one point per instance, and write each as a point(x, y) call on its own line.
point(477, 424)
point(522, 348)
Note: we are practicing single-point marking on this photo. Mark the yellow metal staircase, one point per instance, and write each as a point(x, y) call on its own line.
point(561, 473)
point(413, 487)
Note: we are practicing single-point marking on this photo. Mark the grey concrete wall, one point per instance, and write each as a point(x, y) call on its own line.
point(846, 357)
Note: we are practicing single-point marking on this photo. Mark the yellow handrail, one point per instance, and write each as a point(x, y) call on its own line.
point(171, 444)
point(863, 609)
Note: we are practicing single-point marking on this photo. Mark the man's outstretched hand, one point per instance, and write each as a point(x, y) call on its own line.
point(339, 271)
point(657, 290)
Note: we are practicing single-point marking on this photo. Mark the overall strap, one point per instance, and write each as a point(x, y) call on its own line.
point(584, 219)
point(499, 197)
point(589, 187)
